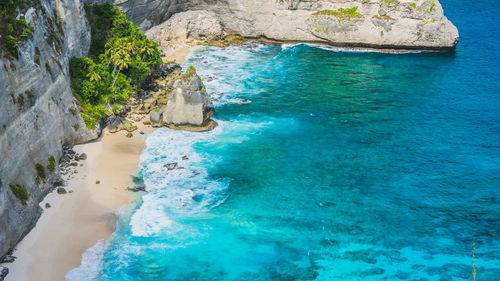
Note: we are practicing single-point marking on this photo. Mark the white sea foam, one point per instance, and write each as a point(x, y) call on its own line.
point(346, 50)
point(186, 190)
point(90, 268)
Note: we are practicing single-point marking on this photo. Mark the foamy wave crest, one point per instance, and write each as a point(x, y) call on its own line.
point(90, 268)
point(176, 177)
point(223, 80)
point(346, 50)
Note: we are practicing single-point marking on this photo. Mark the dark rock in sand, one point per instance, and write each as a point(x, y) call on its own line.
point(97, 182)
point(8, 258)
point(83, 156)
point(61, 190)
point(47, 205)
point(57, 181)
point(74, 164)
point(3, 272)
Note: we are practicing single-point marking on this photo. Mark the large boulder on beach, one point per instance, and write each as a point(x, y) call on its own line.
point(156, 117)
point(189, 103)
point(117, 123)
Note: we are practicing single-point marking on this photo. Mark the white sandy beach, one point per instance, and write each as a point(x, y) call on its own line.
point(77, 220)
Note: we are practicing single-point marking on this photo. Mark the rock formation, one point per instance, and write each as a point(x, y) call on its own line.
point(393, 24)
point(180, 101)
point(38, 114)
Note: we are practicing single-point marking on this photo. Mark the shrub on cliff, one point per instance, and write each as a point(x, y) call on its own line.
point(13, 30)
point(20, 192)
point(52, 163)
point(121, 57)
point(40, 170)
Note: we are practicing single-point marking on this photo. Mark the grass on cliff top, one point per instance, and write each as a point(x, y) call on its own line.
point(341, 13)
point(121, 57)
point(12, 30)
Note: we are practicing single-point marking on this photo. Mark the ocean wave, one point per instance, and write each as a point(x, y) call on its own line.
point(347, 50)
point(223, 80)
point(91, 264)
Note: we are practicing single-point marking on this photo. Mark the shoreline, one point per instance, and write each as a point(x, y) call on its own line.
point(89, 212)
point(77, 220)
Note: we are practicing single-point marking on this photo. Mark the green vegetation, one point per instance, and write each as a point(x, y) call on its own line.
point(191, 70)
point(30, 94)
point(12, 30)
point(40, 170)
point(52, 163)
point(121, 57)
point(56, 31)
point(20, 100)
point(412, 4)
point(342, 14)
point(72, 110)
point(432, 7)
point(20, 192)
point(386, 17)
point(37, 56)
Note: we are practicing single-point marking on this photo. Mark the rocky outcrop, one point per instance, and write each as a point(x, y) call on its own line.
point(394, 24)
point(177, 100)
point(184, 25)
point(189, 105)
point(38, 113)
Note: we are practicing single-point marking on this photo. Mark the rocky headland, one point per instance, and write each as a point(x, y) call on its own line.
point(40, 116)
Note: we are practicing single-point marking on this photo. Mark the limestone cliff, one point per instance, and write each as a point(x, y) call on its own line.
point(38, 114)
point(394, 24)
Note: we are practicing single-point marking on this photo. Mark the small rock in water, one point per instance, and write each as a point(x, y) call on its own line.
point(185, 157)
point(97, 182)
point(137, 189)
point(205, 62)
point(61, 190)
point(3, 272)
point(47, 205)
point(171, 166)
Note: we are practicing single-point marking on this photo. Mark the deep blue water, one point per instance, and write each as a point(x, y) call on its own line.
point(344, 166)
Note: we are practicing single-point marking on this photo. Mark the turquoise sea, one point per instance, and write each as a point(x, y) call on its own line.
point(327, 164)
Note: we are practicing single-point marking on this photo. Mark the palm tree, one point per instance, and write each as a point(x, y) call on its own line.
point(93, 75)
point(121, 59)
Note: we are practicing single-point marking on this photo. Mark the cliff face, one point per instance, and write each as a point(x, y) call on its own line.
point(37, 111)
point(408, 24)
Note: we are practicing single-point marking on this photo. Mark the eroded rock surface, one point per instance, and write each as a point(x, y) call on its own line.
point(408, 24)
point(180, 101)
point(38, 113)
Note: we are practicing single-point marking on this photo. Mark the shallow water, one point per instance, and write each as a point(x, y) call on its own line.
point(326, 165)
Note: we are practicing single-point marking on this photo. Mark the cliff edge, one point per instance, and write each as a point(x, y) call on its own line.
point(382, 24)
point(38, 113)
